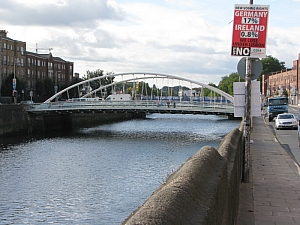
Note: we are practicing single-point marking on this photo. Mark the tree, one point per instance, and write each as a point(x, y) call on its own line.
point(96, 83)
point(6, 88)
point(40, 88)
point(206, 91)
point(48, 87)
point(226, 83)
point(272, 64)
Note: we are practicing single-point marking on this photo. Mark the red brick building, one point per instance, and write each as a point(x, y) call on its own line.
point(31, 67)
point(283, 81)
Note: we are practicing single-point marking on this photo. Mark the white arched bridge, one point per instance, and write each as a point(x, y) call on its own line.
point(148, 92)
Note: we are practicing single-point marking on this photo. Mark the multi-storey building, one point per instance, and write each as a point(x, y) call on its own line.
point(286, 80)
point(41, 66)
point(31, 67)
point(12, 57)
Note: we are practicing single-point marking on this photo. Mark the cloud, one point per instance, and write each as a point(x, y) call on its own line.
point(60, 13)
point(192, 38)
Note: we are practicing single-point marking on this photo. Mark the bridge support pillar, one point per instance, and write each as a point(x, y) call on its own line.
point(36, 125)
point(231, 117)
point(138, 115)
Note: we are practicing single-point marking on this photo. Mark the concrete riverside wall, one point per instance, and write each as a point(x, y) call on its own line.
point(14, 120)
point(204, 190)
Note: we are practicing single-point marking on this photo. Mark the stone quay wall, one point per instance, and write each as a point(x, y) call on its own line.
point(15, 120)
point(204, 190)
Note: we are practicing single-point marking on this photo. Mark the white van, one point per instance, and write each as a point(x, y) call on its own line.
point(82, 102)
point(119, 97)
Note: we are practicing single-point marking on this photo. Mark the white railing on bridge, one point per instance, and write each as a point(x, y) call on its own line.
point(135, 104)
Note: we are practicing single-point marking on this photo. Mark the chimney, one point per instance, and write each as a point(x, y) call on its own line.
point(3, 33)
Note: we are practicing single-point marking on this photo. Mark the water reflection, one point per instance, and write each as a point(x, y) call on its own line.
point(98, 175)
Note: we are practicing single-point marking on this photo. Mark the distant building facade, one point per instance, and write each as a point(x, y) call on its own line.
point(31, 67)
point(286, 80)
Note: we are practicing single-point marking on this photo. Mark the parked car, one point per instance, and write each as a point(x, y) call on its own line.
point(299, 129)
point(286, 120)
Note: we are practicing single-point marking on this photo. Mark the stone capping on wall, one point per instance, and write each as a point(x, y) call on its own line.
point(204, 190)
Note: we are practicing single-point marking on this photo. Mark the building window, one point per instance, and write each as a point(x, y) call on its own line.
point(4, 60)
point(22, 62)
point(28, 72)
point(38, 74)
point(39, 62)
point(4, 45)
point(22, 50)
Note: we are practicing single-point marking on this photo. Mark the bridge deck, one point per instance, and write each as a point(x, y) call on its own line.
point(134, 107)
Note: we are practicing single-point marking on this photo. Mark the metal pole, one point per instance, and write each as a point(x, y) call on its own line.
point(247, 118)
point(0, 63)
point(14, 81)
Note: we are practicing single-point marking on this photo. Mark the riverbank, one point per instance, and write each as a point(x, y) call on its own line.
point(15, 120)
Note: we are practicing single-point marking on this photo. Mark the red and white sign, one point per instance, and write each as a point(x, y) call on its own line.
point(250, 30)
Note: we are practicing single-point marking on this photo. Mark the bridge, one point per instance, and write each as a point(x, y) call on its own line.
point(187, 99)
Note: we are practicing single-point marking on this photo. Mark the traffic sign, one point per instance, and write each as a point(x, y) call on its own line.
point(256, 68)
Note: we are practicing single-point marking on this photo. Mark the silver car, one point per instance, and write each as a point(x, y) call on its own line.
point(286, 120)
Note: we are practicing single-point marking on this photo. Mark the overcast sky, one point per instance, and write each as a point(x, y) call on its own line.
point(189, 38)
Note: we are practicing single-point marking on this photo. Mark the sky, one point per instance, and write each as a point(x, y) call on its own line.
point(186, 38)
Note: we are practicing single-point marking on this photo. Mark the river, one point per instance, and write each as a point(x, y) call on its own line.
point(98, 175)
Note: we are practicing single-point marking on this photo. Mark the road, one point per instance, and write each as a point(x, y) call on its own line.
point(288, 138)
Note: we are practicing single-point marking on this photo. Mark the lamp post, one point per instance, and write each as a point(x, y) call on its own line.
point(14, 82)
point(290, 79)
point(55, 85)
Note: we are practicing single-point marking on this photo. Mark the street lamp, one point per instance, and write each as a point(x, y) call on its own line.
point(55, 85)
point(14, 81)
point(290, 79)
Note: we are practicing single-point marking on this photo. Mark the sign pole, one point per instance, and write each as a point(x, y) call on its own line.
point(247, 118)
point(249, 40)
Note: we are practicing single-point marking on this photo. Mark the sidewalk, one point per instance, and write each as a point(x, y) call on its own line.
point(272, 197)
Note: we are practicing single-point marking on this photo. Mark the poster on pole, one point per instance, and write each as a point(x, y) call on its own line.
point(250, 30)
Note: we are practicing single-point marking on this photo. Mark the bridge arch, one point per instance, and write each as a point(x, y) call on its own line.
point(135, 77)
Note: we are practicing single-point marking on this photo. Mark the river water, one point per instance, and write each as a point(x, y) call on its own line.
point(98, 175)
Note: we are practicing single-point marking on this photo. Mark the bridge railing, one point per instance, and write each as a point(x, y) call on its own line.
point(147, 104)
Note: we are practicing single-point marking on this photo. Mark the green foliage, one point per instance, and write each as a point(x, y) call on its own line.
point(272, 64)
point(44, 89)
point(226, 83)
point(101, 82)
point(206, 91)
point(144, 88)
point(6, 89)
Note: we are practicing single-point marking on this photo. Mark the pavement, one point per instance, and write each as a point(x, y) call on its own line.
point(272, 197)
